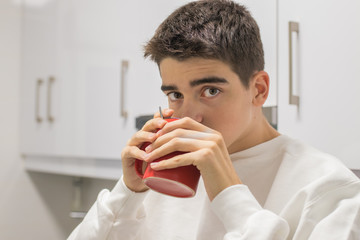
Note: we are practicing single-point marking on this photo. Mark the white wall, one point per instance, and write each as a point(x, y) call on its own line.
point(32, 205)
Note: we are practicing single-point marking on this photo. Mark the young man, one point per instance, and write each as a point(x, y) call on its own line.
point(256, 183)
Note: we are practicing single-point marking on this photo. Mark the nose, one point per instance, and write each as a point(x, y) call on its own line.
point(192, 110)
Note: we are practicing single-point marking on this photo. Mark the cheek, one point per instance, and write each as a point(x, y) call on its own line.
point(225, 122)
point(233, 122)
point(231, 128)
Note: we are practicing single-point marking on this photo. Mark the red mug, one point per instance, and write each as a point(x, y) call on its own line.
point(177, 182)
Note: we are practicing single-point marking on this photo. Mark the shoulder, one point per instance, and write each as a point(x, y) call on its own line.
point(307, 173)
point(306, 161)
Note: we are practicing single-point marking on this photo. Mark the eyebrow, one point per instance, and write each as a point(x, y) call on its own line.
point(195, 83)
point(198, 82)
point(168, 88)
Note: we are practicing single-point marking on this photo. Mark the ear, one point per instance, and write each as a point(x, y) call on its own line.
point(260, 84)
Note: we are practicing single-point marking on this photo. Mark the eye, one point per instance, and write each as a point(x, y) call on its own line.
point(211, 92)
point(173, 96)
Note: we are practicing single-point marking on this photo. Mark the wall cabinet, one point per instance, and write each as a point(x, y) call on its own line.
point(82, 70)
point(38, 88)
point(326, 69)
point(84, 79)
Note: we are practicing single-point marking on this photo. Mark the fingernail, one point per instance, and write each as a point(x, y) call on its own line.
point(159, 133)
point(148, 149)
point(152, 136)
point(161, 122)
point(154, 164)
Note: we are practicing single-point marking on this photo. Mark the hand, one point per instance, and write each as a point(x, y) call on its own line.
point(205, 148)
point(132, 150)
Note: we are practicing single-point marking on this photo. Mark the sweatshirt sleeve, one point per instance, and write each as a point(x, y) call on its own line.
point(328, 213)
point(244, 218)
point(333, 214)
point(115, 212)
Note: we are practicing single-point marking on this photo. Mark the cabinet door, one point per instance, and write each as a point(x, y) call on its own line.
point(326, 66)
point(114, 84)
point(38, 88)
point(90, 64)
point(84, 45)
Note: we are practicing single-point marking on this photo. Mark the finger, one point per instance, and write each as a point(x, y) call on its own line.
point(178, 144)
point(184, 123)
point(131, 152)
point(154, 124)
point(185, 159)
point(180, 133)
point(202, 158)
point(166, 113)
point(141, 137)
point(174, 162)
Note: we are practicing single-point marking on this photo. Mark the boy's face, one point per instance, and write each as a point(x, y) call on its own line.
point(209, 92)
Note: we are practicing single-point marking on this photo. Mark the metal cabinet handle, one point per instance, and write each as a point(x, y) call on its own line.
point(293, 99)
point(38, 118)
point(50, 118)
point(124, 70)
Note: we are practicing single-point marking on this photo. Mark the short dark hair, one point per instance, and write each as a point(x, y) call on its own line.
point(210, 29)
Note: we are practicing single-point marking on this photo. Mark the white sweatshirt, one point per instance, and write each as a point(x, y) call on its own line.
point(289, 191)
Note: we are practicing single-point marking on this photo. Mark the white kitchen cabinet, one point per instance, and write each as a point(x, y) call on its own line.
point(105, 35)
point(39, 93)
point(326, 69)
point(83, 45)
point(78, 50)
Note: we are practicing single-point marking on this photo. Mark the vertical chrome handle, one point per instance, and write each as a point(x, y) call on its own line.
point(124, 70)
point(50, 117)
point(293, 99)
point(38, 118)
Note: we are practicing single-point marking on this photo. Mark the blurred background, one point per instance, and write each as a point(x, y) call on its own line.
point(74, 87)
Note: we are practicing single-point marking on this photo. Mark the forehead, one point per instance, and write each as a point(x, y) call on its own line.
point(176, 72)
